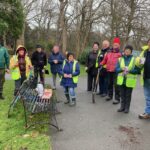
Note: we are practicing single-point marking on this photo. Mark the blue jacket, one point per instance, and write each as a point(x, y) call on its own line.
point(127, 59)
point(68, 69)
point(55, 68)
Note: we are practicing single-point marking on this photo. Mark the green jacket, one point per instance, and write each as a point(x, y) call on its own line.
point(4, 58)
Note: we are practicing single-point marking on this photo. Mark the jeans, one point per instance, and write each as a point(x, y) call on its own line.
point(147, 95)
point(2, 79)
point(103, 84)
point(54, 76)
point(71, 92)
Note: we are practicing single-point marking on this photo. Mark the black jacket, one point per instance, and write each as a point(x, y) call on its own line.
point(100, 59)
point(147, 65)
point(39, 60)
point(91, 63)
point(102, 54)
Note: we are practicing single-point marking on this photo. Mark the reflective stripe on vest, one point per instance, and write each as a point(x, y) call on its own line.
point(130, 78)
point(75, 78)
point(96, 65)
point(15, 73)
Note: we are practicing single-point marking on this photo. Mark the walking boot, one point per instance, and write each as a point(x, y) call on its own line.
point(144, 116)
point(103, 95)
point(127, 106)
point(73, 102)
point(108, 98)
point(126, 111)
point(122, 107)
point(68, 99)
point(116, 101)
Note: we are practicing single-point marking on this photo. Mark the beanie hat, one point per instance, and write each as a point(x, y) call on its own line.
point(129, 47)
point(116, 40)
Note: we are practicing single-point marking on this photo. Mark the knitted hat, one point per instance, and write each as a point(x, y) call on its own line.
point(129, 47)
point(116, 40)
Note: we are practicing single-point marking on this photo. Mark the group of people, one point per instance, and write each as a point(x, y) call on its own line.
point(22, 67)
point(118, 73)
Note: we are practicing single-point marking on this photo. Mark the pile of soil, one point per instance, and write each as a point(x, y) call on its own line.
point(132, 133)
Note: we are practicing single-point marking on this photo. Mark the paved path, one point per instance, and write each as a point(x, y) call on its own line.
point(99, 126)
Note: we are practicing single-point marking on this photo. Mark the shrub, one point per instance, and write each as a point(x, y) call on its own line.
point(83, 56)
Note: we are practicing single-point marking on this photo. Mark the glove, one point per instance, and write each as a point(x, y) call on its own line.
point(126, 71)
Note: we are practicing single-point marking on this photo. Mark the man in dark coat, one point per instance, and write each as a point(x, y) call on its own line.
point(39, 60)
point(55, 60)
point(91, 68)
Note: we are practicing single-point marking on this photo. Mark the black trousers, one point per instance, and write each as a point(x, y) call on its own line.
point(91, 81)
point(2, 79)
point(103, 84)
point(37, 72)
point(112, 86)
point(126, 94)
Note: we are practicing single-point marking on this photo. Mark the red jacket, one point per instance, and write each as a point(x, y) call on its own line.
point(110, 60)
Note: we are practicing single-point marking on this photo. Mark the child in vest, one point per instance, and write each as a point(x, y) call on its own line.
point(70, 72)
point(126, 78)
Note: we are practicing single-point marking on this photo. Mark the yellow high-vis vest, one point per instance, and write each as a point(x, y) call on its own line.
point(75, 78)
point(15, 72)
point(96, 65)
point(144, 49)
point(130, 78)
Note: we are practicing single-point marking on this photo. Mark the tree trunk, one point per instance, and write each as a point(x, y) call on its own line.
point(21, 39)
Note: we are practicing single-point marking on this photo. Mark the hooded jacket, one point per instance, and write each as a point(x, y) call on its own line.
point(15, 71)
point(4, 58)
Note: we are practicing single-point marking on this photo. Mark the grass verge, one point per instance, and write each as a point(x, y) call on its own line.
point(13, 135)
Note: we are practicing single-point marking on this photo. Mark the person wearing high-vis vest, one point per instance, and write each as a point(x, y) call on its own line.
point(126, 78)
point(20, 66)
point(143, 62)
point(69, 78)
point(92, 66)
point(103, 77)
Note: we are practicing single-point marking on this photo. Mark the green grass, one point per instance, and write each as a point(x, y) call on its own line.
point(13, 135)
